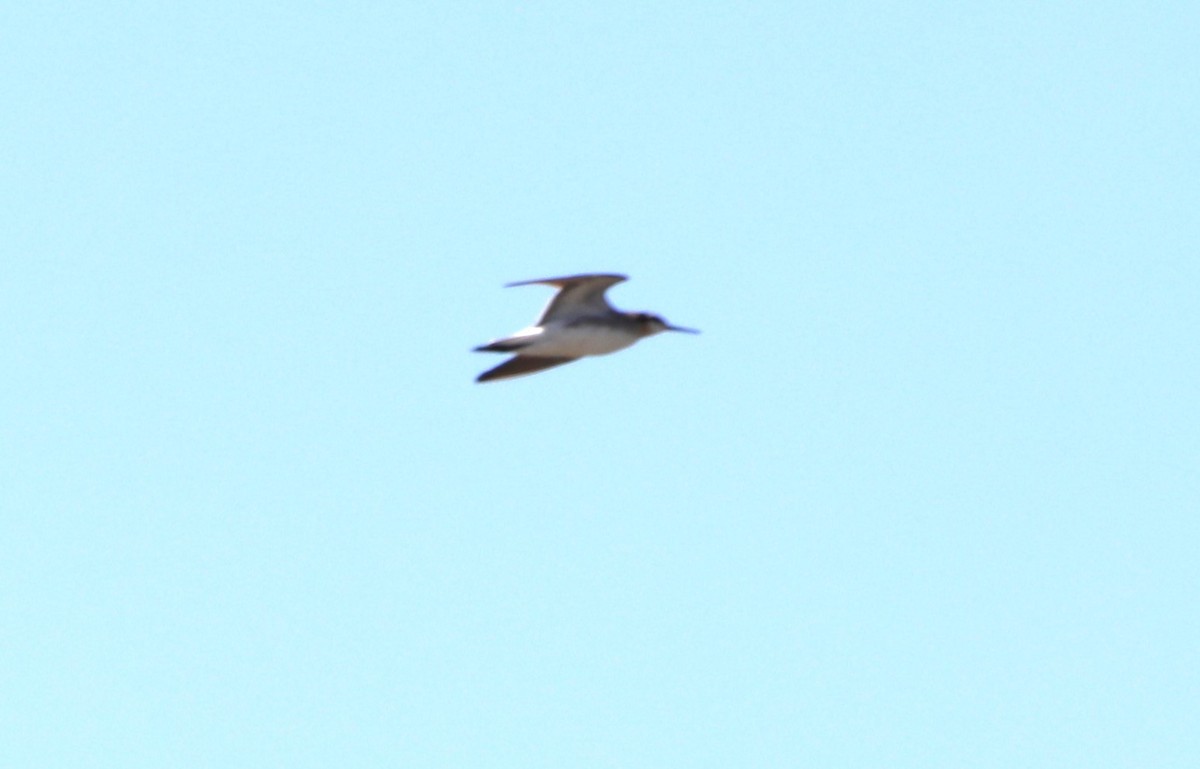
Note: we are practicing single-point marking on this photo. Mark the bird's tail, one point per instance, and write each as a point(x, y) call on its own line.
point(503, 345)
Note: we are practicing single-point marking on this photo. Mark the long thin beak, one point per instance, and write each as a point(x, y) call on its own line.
point(684, 330)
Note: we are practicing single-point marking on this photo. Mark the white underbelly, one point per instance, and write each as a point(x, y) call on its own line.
point(575, 342)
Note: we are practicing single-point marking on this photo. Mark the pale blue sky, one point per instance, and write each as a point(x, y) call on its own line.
point(923, 494)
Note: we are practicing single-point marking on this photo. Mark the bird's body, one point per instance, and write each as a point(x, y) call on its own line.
point(575, 340)
point(577, 322)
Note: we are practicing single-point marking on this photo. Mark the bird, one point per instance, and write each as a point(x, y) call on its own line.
point(577, 322)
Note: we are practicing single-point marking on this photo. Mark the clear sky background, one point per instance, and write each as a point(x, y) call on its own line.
point(923, 494)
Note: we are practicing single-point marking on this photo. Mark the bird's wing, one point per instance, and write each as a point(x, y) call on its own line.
point(578, 295)
point(521, 365)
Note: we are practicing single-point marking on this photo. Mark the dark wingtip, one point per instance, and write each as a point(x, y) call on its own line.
point(614, 276)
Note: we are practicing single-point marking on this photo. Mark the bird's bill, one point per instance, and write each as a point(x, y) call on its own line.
point(683, 329)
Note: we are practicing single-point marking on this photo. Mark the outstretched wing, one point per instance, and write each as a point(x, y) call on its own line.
point(578, 295)
point(521, 365)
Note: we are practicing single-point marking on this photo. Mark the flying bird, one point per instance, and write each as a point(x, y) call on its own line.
point(576, 323)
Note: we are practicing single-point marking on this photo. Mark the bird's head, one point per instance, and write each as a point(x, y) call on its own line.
point(650, 324)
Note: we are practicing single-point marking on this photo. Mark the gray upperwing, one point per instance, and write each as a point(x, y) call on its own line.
point(578, 295)
point(520, 366)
